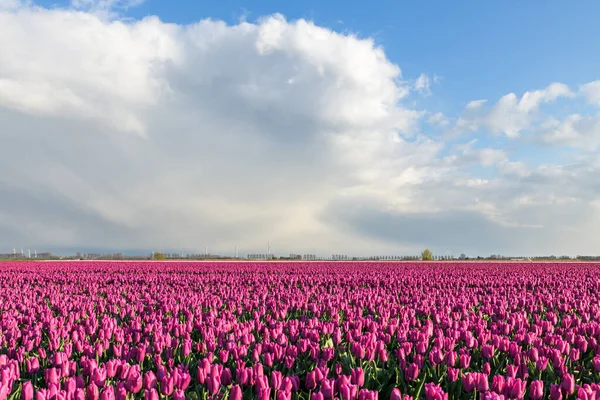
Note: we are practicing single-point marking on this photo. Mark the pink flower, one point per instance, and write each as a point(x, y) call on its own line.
point(108, 393)
point(568, 384)
point(453, 374)
point(412, 372)
point(235, 393)
point(555, 392)
point(92, 392)
point(276, 379)
point(151, 394)
point(596, 362)
point(311, 381)
point(264, 394)
point(536, 390)
point(27, 391)
point(541, 364)
point(487, 350)
point(358, 377)
point(465, 361)
point(396, 395)
point(468, 381)
point(434, 392)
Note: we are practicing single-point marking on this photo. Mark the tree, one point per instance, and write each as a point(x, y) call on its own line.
point(158, 256)
point(426, 255)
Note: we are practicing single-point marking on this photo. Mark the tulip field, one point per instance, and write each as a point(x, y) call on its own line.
point(299, 330)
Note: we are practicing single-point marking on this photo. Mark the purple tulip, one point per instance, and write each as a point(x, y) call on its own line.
point(412, 372)
point(498, 384)
point(317, 396)
point(568, 384)
point(464, 361)
point(92, 392)
point(396, 394)
point(311, 381)
point(264, 394)
point(536, 390)
point(468, 381)
point(358, 377)
point(596, 362)
point(27, 391)
point(276, 379)
point(555, 392)
point(434, 392)
point(235, 393)
point(487, 351)
point(151, 394)
point(453, 374)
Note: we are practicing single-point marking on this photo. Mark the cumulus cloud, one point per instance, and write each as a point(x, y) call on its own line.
point(144, 134)
point(575, 130)
point(591, 91)
point(511, 115)
point(438, 119)
point(423, 84)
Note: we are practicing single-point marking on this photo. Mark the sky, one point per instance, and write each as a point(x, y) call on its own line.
point(353, 127)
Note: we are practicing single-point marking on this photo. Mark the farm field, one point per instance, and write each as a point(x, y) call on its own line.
point(152, 330)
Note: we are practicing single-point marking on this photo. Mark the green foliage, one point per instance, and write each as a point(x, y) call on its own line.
point(158, 256)
point(427, 255)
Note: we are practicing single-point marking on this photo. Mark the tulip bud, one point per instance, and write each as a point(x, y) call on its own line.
point(555, 392)
point(597, 363)
point(311, 382)
point(41, 394)
point(358, 377)
point(264, 394)
point(108, 394)
point(536, 390)
point(487, 351)
point(487, 368)
point(453, 374)
point(235, 393)
point(151, 394)
point(568, 384)
point(276, 379)
point(92, 392)
point(121, 392)
point(465, 360)
point(412, 372)
point(468, 381)
point(498, 384)
point(27, 391)
point(167, 385)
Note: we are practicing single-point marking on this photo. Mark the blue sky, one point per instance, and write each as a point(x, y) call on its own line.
point(303, 143)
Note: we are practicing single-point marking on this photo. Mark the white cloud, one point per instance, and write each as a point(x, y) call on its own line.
point(592, 92)
point(467, 154)
point(515, 168)
point(438, 119)
point(511, 115)
point(476, 104)
point(239, 121)
point(531, 100)
point(423, 84)
point(574, 131)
